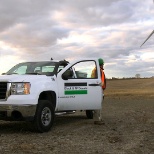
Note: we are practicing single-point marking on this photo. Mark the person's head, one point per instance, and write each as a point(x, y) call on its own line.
point(101, 62)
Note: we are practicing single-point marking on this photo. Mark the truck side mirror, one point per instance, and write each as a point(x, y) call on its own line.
point(67, 74)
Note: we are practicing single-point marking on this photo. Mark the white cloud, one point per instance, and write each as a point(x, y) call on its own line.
point(111, 29)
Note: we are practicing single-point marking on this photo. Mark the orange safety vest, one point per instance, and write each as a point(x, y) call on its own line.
point(93, 75)
point(103, 79)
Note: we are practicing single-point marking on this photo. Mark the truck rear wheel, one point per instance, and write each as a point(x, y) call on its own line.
point(89, 114)
point(44, 116)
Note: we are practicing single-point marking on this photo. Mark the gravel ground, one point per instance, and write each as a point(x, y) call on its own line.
point(128, 129)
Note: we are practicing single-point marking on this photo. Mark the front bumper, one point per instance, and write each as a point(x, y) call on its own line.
point(17, 112)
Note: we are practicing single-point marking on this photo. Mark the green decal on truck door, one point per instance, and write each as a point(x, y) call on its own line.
point(75, 88)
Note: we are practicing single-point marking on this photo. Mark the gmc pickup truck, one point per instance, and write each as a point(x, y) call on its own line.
point(36, 91)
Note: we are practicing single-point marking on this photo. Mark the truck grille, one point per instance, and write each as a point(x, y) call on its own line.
point(3, 90)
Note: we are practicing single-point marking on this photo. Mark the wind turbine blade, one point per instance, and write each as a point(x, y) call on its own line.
point(148, 37)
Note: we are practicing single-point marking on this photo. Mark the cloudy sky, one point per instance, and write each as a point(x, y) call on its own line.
point(72, 29)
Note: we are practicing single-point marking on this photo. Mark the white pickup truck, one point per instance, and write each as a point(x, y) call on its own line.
point(35, 91)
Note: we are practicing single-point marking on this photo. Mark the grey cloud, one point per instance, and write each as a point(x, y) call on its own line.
point(32, 27)
point(14, 11)
point(34, 35)
point(100, 13)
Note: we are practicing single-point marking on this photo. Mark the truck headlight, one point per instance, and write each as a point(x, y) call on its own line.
point(20, 88)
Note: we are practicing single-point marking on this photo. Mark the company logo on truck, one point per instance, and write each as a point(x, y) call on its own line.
point(75, 88)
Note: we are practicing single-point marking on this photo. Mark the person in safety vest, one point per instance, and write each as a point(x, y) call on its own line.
point(98, 113)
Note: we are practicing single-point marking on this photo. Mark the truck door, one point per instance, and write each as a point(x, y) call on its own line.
point(78, 90)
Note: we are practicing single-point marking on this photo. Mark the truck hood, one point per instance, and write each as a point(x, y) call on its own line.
point(23, 78)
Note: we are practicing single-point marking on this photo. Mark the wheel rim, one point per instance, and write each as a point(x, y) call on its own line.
point(46, 116)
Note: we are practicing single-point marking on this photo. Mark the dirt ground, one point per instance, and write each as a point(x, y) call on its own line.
point(128, 129)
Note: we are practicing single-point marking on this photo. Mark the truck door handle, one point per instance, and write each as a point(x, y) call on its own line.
point(94, 84)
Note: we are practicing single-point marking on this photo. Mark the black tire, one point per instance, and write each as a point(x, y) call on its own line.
point(89, 114)
point(44, 116)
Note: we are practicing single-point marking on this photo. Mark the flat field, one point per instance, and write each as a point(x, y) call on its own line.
point(128, 129)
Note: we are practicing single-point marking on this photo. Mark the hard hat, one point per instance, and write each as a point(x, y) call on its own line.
point(101, 61)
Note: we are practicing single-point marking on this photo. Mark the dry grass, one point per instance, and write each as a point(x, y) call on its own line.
point(140, 87)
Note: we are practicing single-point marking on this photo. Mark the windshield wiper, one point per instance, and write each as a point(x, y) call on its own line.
point(11, 73)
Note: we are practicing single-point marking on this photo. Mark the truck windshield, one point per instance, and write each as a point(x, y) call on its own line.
point(40, 68)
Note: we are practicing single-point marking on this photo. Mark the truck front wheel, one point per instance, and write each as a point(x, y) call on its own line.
point(44, 116)
point(89, 114)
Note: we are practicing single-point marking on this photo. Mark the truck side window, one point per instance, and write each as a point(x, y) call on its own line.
point(71, 73)
point(60, 68)
point(84, 69)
